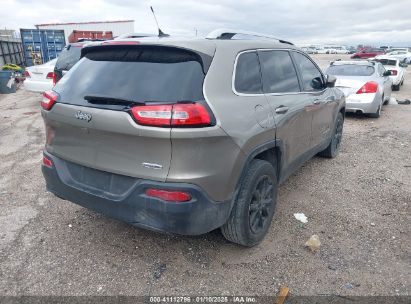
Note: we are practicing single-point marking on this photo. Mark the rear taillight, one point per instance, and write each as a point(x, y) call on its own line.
point(49, 99)
point(47, 162)
point(174, 115)
point(159, 116)
point(26, 74)
point(50, 75)
point(369, 87)
point(54, 79)
point(394, 72)
point(170, 196)
point(191, 114)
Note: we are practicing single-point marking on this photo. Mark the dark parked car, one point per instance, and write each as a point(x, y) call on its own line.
point(67, 58)
point(188, 135)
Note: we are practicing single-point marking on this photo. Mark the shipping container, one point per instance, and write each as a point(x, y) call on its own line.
point(11, 51)
point(76, 35)
point(118, 27)
point(40, 46)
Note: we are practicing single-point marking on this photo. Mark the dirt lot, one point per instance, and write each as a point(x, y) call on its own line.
point(358, 204)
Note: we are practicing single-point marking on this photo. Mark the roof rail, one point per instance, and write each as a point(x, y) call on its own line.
point(230, 33)
point(134, 35)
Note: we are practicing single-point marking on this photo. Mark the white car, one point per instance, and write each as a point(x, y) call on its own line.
point(402, 55)
point(397, 69)
point(39, 78)
point(341, 50)
point(365, 84)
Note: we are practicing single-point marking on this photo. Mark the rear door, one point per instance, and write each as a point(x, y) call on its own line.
point(292, 110)
point(322, 101)
point(91, 123)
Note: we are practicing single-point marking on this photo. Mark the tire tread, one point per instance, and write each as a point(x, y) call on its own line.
point(231, 230)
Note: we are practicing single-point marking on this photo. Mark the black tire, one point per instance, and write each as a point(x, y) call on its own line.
point(402, 81)
point(376, 114)
point(385, 102)
point(396, 87)
point(254, 208)
point(333, 148)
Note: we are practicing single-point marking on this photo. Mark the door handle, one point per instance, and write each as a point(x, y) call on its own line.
point(281, 110)
point(317, 101)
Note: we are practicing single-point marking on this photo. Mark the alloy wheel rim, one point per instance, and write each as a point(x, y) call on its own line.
point(261, 204)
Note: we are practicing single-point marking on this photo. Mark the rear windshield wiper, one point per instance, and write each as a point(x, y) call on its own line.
point(107, 100)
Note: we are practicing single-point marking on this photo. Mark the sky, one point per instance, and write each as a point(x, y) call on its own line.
point(349, 22)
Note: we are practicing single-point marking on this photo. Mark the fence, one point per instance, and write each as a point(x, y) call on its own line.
point(11, 51)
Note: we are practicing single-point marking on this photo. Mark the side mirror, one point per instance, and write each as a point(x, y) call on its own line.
point(403, 65)
point(330, 83)
point(387, 73)
point(317, 83)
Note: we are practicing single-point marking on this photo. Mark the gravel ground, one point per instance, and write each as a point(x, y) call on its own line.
point(358, 204)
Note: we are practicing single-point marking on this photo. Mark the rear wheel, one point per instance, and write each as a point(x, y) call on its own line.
point(332, 150)
point(385, 102)
point(253, 211)
point(377, 114)
point(396, 87)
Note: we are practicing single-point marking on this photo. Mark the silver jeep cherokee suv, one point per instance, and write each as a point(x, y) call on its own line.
point(188, 135)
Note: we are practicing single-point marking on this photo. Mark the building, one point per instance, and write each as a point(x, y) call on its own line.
point(117, 27)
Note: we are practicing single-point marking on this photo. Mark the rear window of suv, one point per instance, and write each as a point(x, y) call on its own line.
point(350, 70)
point(136, 74)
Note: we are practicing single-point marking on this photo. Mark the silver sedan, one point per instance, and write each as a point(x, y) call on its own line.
point(366, 85)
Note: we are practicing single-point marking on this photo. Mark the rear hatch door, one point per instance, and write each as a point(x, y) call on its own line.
point(91, 123)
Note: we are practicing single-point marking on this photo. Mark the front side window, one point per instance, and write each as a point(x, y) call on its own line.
point(248, 74)
point(312, 78)
point(279, 75)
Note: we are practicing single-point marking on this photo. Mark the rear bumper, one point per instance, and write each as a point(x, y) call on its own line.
point(197, 216)
point(364, 103)
point(37, 86)
point(396, 80)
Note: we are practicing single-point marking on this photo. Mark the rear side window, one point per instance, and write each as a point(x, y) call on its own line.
point(135, 74)
point(248, 74)
point(350, 70)
point(310, 74)
point(387, 62)
point(68, 57)
point(279, 75)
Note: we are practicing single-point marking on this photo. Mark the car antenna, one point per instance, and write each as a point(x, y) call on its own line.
point(160, 32)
